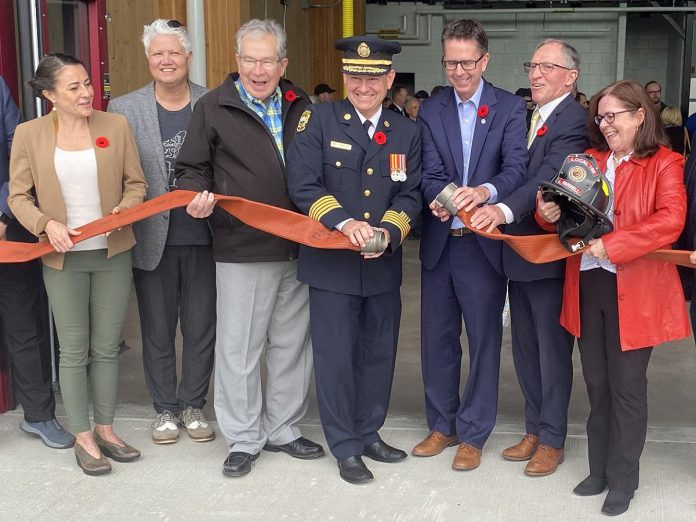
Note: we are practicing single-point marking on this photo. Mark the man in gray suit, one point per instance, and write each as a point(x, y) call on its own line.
point(173, 266)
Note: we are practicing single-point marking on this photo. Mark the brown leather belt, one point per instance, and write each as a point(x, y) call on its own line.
point(459, 232)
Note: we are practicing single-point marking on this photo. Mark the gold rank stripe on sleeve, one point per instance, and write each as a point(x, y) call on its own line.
point(323, 206)
point(400, 220)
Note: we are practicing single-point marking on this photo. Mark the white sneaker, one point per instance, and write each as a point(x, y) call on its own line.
point(195, 424)
point(165, 429)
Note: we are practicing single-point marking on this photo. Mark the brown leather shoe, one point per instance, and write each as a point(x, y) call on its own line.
point(522, 451)
point(545, 461)
point(433, 444)
point(467, 458)
point(118, 453)
point(89, 464)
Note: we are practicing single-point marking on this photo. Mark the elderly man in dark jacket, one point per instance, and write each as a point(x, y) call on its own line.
point(237, 142)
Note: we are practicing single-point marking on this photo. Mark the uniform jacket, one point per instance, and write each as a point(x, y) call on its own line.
point(140, 108)
point(35, 195)
point(498, 156)
point(335, 173)
point(649, 211)
point(566, 134)
point(229, 150)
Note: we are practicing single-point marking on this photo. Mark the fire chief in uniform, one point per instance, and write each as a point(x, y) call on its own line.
point(357, 169)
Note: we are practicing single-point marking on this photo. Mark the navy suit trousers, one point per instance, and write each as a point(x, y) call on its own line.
point(542, 351)
point(354, 342)
point(462, 283)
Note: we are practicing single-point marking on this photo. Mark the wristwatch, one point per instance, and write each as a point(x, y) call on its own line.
point(4, 218)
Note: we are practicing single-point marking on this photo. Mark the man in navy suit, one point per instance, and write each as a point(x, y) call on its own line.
point(541, 347)
point(474, 136)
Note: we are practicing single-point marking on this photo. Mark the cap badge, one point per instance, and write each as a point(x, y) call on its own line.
point(363, 50)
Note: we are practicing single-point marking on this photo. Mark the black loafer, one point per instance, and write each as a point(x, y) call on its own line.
point(617, 502)
point(354, 470)
point(591, 486)
point(238, 463)
point(383, 452)
point(300, 448)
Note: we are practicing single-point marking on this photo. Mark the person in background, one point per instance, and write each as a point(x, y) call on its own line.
point(236, 145)
point(324, 93)
point(68, 168)
point(399, 94)
point(173, 267)
point(411, 107)
point(677, 135)
point(611, 288)
point(526, 94)
point(21, 308)
point(654, 90)
point(581, 98)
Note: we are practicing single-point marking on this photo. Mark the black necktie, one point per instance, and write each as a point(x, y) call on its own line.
point(367, 124)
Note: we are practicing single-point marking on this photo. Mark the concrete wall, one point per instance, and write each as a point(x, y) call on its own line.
point(652, 47)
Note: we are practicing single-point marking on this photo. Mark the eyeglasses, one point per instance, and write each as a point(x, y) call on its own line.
point(655, 92)
point(250, 63)
point(174, 24)
point(545, 68)
point(609, 117)
point(467, 65)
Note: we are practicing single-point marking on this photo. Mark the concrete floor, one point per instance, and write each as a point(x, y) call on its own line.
point(184, 480)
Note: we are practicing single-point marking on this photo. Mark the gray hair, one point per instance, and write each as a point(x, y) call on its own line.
point(571, 58)
point(258, 29)
point(163, 26)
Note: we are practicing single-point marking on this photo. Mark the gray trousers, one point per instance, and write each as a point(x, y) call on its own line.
point(261, 305)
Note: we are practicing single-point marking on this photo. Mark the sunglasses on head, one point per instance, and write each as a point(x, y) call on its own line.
point(174, 24)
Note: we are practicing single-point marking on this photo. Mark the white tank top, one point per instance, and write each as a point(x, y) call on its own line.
point(79, 184)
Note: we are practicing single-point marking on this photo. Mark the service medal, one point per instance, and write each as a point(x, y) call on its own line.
point(397, 167)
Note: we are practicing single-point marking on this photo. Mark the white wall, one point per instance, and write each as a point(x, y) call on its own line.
point(651, 50)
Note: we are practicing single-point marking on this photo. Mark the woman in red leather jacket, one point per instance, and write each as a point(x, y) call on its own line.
point(617, 303)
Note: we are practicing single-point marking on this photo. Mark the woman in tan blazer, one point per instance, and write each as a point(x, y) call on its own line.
point(68, 168)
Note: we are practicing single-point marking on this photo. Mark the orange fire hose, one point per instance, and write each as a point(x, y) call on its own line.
point(295, 227)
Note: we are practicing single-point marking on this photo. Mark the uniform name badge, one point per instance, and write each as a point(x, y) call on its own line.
point(397, 167)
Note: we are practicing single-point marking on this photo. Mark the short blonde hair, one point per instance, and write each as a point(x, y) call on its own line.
point(671, 115)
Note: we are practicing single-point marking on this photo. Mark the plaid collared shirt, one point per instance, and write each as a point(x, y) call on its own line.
point(271, 114)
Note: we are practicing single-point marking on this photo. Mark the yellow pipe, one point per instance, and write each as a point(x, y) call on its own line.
point(347, 25)
point(347, 18)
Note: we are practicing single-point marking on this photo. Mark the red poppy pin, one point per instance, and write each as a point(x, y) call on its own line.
point(290, 96)
point(102, 142)
point(483, 111)
point(380, 138)
point(542, 130)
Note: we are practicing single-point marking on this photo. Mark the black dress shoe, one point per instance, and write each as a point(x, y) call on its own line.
point(238, 463)
point(383, 452)
point(354, 470)
point(617, 502)
point(591, 486)
point(300, 448)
